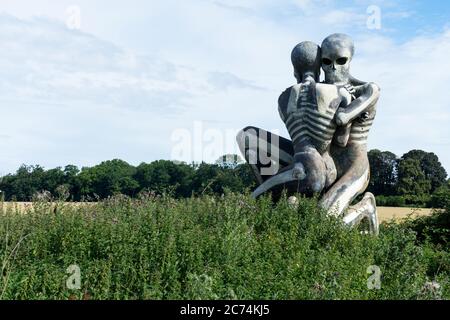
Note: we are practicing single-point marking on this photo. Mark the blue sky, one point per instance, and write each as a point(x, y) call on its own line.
point(138, 74)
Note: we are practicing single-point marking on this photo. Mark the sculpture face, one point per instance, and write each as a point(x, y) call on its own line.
point(337, 53)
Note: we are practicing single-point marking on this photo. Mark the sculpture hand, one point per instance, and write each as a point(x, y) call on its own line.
point(351, 90)
point(364, 116)
point(342, 118)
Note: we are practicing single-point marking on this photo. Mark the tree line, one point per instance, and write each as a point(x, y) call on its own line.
point(417, 178)
point(119, 177)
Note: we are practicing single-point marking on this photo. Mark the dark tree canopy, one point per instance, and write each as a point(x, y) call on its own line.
point(412, 181)
point(118, 177)
point(108, 178)
point(383, 172)
point(430, 166)
point(161, 176)
point(416, 178)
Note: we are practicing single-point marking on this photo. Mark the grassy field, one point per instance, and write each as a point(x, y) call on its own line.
point(386, 214)
point(231, 247)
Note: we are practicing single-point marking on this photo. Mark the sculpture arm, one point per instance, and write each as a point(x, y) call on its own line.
point(368, 96)
point(342, 135)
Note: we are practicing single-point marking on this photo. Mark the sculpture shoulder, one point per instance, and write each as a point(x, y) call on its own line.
point(284, 97)
point(283, 100)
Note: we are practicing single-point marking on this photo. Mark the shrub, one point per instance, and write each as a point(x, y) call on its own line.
point(434, 229)
point(440, 198)
point(230, 247)
point(391, 201)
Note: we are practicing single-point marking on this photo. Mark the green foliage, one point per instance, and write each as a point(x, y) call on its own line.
point(118, 177)
point(415, 179)
point(24, 184)
point(434, 229)
point(383, 172)
point(441, 197)
point(162, 176)
point(391, 201)
point(411, 179)
point(107, 179)
point(230, 247)
point(430, 166)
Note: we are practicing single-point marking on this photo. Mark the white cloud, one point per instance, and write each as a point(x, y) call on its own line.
point(139, 71)
point(44, 60)
point(414, 107)
point(342, 18)
point(311, 6)
point(69, 97)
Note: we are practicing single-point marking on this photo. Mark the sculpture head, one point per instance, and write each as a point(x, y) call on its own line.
point(306, 59)
point(337, 53)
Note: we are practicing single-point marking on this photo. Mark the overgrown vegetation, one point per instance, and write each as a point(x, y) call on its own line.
point(230, 247)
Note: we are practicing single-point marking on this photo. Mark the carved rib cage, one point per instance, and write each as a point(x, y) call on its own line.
point(307, 121)
point(359, 133)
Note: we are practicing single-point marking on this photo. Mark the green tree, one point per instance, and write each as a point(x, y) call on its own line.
point(22, 185)
point(72, 180)
point(108, 178)
point(215, 179)
point(412, 181)
point(162, 176)
point(246, 174)
point(205, 179)
point(441, 197)
point(430, 166)
point(383, 172)
point(52, 179)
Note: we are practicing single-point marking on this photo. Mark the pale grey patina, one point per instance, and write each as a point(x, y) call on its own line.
point(329, 125)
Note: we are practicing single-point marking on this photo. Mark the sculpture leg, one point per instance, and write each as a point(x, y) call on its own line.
point(267, 153)
point(306, 176)
point(331, 171)
point(365, 209)
point(345, 190)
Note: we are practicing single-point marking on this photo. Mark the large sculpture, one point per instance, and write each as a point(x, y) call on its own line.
point(328, 124)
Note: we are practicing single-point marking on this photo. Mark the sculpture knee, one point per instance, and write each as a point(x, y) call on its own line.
point(345, 190)
point(331, 171)
point(314, 171)
point(316, 178)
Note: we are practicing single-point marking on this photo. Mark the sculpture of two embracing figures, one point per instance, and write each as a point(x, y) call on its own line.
point(328, 123)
